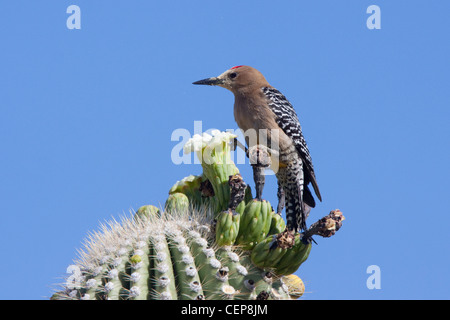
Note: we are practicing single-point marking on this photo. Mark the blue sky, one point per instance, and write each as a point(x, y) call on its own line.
point(86, 118)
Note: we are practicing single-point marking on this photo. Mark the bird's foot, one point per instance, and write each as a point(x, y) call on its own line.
point(260, 179)
point(259, 155)
point(281, 199)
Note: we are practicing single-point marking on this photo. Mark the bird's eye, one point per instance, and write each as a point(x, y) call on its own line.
point(233, 75)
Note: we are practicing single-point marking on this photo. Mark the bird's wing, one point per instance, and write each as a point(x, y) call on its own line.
point(287, 120)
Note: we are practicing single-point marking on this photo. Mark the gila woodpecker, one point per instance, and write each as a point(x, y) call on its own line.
point(260, 107)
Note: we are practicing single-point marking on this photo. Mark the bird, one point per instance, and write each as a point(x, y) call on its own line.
point(259, 107)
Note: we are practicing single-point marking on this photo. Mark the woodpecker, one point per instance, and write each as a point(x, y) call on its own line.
point(259, 106)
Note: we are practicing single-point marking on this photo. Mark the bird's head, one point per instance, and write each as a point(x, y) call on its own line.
point(236, 79)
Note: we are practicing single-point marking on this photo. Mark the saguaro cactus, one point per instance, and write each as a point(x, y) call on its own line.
point(211, 241)
point(169, 257)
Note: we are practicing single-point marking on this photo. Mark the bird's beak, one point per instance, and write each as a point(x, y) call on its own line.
point(209, 81)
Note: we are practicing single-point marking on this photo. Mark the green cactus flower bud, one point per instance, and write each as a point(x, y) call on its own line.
point(255, 223)
point(145, 212)
point(196, 188)
point(277, 224)
point(227, 227)
point(282, 253)
point(266, 254)
point(294, 257)
point(177, 202)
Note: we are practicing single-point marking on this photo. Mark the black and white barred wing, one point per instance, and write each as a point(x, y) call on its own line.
point(287, 120)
